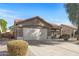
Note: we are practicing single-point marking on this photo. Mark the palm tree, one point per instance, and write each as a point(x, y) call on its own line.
point(3, 25)
point(73, 14)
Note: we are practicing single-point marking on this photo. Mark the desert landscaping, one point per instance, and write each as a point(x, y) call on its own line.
point(39, 30)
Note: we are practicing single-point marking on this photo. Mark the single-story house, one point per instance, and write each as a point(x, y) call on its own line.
point(66, 29)
point(34, 28)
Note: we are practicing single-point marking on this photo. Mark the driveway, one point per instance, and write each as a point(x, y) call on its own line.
point(48, 48)
point(3, 48)
point(54, 48)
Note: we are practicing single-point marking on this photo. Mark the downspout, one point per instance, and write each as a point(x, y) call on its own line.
point(47, 33)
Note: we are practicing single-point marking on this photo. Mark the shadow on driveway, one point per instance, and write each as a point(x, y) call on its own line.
point(3, 53)
point(48, 42)
point(3, 42)
point(41, 42)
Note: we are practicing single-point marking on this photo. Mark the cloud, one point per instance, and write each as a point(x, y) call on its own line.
point(57, 21)
point(7, 13)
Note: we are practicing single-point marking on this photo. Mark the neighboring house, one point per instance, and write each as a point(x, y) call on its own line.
point(33, 28)
point(66, 29)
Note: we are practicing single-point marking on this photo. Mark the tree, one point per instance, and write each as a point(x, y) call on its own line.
point(73, 14)
point(11, 28)
point(3, 25)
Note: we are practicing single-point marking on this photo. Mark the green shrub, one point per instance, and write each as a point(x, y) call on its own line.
point(17, 47)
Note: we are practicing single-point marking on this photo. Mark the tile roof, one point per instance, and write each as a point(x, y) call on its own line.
point(53, 26)
point(68, 26)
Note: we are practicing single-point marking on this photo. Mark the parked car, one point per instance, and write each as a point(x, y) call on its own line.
point(65, 37)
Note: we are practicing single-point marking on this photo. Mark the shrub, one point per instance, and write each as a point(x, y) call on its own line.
point(7, 35)
point(17, 47)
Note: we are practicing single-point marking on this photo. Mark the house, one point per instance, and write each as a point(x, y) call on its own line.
point(34, 28)
point(66, 29)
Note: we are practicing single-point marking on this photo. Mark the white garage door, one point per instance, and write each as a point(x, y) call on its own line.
point(34, 34)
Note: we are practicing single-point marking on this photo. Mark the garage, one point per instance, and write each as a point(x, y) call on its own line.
point(34, 33)
point(34, 28)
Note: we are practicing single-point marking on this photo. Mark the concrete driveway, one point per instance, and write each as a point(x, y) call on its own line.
point(54, 48)
point(3, 48)
point(48, 48)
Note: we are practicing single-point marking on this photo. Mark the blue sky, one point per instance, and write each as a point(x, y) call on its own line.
point(53, 13)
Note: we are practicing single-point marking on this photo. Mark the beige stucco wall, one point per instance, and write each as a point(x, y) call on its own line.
point(67, 30)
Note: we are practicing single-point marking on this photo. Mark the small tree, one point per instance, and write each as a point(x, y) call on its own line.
point(3, 25)
point(11, 28)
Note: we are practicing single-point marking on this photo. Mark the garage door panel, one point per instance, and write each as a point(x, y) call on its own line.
point(34, 34)
point(28, 33)
point(44, 34)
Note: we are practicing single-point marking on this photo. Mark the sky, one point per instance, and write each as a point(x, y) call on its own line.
point(54, 13)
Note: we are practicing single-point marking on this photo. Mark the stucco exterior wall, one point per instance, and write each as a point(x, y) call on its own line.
point(68, 30)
